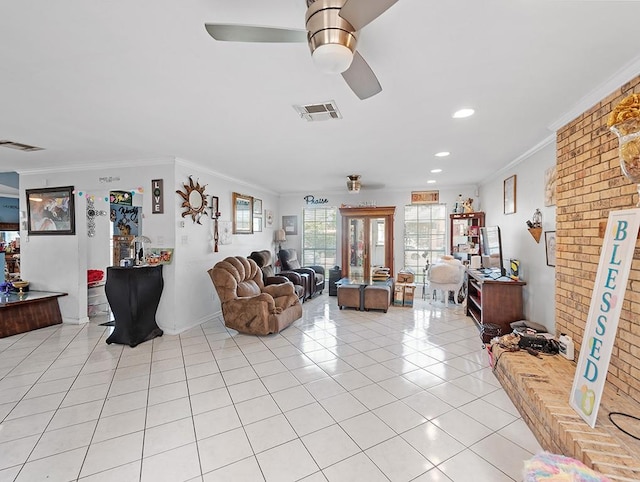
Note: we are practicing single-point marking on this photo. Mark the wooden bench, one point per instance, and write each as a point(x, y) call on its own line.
point(539, 388)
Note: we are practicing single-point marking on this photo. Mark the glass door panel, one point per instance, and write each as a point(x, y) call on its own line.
point(357, 251)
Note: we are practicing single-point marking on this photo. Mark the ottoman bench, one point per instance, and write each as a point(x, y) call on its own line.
point(349, 296)
point(377, 297)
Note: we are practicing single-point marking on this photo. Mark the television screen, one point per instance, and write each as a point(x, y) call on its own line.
point(491, 248)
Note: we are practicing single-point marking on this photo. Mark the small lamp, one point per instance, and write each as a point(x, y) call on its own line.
point(137, 243)
point(280, 237)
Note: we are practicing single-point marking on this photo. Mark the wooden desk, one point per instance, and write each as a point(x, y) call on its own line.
point(32, 310)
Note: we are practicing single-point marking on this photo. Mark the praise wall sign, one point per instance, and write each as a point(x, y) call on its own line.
point(309, 199)
point(157, 201)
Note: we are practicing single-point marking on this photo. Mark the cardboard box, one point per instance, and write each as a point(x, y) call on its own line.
point(405, 277)
point(398, 294)
point(409, 291)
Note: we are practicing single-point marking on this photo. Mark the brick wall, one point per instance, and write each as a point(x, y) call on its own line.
point(590, 184)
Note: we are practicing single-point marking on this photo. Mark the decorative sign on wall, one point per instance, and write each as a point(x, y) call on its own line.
point(604, 313)
point(157, 201)
point(309, 199)
point(425, 197)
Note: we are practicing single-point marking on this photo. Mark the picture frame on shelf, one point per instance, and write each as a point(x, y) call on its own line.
point(51, 211)
point(550, 247)
point(510, 195)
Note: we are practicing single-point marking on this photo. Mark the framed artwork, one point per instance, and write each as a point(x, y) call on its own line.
point(51, 211)
point(242, 214)
point(226, 232)
point(510, 195)
point(257, 207)
point(290, 225)
point(215, 207)
point(550, 244)
point(268, 218)
point(257, 225)
point(550, 182)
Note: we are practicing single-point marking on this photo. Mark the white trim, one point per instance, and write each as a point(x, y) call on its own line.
point(204, 319)
point(100, 166)
point(625, 74)
point(522, 157)
point(201, 168)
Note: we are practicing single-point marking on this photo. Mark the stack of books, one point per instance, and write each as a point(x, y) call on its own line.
point(380, 274)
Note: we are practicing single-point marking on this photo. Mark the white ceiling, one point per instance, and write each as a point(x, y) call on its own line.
point(120, 81)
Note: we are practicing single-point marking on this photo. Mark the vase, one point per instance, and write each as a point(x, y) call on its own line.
point(628, 133)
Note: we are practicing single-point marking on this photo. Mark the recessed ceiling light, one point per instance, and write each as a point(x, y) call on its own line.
point(462, 113)
point(431, 181)
point(435, 171)
point(442, 154)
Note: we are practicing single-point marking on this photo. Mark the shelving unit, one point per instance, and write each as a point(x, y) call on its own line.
point(465, 233)
point(491, 301)
point(97, 303)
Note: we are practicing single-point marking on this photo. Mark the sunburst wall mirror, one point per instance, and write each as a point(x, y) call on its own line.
point(194, 201)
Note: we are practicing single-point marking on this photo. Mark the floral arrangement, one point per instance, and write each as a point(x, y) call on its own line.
point(6, 287)
point(628, 108)
point(624, 121)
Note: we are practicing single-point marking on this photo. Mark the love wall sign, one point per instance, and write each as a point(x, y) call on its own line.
point(157, 202)
point(604, 313)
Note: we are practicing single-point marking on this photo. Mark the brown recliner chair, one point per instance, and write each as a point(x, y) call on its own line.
point(289, 262)
point(249, 306)
point(264, 260)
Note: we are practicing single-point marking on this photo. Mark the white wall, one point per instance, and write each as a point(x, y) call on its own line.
point(293, 204)
point(517, 242)
point(60, 263)
point(195, 298)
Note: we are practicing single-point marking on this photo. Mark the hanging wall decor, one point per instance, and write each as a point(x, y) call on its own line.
point(194, 201)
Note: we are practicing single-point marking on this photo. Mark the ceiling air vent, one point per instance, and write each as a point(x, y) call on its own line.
point(19, 146)
point(318, 112)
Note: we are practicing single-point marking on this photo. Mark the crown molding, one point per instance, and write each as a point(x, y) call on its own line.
point(94, 166)
point(625, 74)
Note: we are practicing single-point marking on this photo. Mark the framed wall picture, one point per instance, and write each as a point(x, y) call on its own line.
point(550, 186)
point(268, 218)
point(242, 214)
point(290, 225)
point(257, 206)
point(215, 207)
point(510, 195)
point(257, 224)
point(550, 244)
point(51, 211)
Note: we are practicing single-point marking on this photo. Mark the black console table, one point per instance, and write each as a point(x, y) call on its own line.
point(134, 294)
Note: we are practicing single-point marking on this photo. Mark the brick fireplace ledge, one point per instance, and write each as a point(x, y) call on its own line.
point(539, 388)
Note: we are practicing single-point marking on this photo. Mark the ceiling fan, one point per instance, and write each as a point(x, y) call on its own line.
point(354, 184)
point(332, 33)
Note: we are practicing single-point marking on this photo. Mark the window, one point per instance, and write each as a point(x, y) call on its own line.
point(319, 237)
point(425, 230)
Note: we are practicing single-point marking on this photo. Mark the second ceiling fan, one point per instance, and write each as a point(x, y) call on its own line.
point(332, 34)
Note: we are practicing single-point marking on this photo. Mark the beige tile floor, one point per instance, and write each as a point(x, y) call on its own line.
point(341, 395)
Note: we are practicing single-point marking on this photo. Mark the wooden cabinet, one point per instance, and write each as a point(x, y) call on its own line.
point(465, 234)
point(491, 301)
point(367, 240)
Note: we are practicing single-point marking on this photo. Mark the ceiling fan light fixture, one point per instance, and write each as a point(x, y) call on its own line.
point(332, 58)
point(353, 183)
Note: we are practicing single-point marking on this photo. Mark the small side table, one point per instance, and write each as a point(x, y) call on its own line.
point(134, 295)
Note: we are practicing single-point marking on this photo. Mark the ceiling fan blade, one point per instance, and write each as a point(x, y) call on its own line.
point(361, 78)
point(250, 33)
point(361, 12)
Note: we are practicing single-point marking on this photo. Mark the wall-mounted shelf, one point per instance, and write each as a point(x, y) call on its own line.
point(536, 233)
